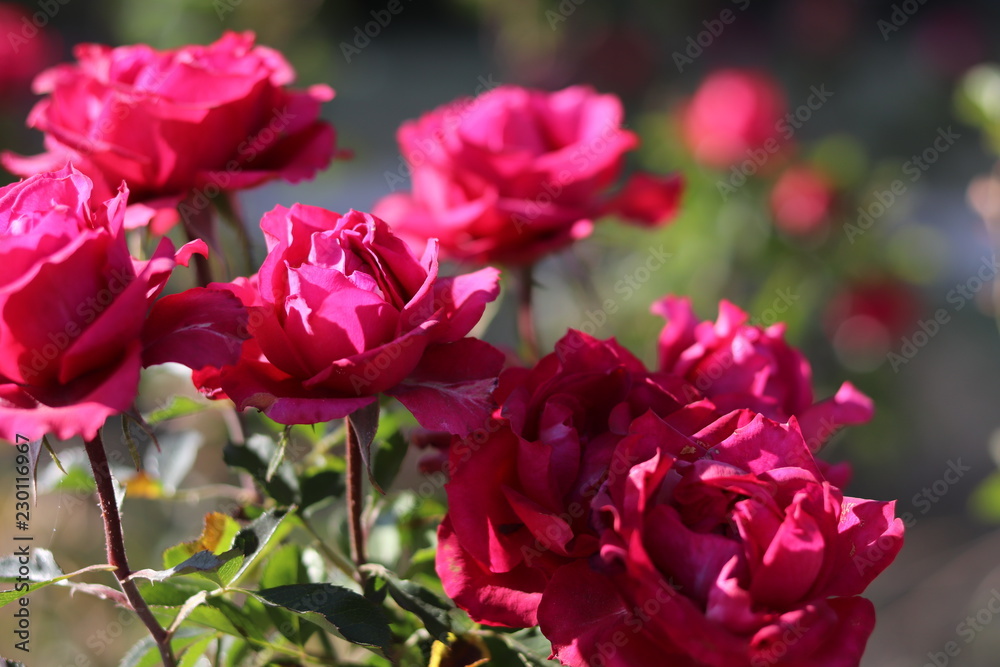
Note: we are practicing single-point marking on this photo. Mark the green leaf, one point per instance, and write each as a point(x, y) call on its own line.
point(230, 569)
point(285, 567)
point(433, 611)
point(260, 536)
point(388, 458)
point(216, 614)
point(238, 653)
point(52, 453)
point(133, 450)
point(253, 458)
point(239, 619)
point(78, 479)
point(201, 562)
point(364, 424)
point(531, 647)
point(197, 649)
point(180, 406)
point(146, 654)
point(279, 455)
point(376, 588)
point(322, 484)
point(172, 592)
point(352, 616)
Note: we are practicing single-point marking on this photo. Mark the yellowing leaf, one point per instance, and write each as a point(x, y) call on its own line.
point(216, 537)
point(465, 651)
point(143, 485)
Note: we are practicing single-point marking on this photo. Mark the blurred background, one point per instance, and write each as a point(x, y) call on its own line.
point(840, 159)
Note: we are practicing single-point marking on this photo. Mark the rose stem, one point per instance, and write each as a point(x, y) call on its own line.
point(355, 496)
point(228, 209)
point(203, 269)
point(525, 320)
point(116, 546)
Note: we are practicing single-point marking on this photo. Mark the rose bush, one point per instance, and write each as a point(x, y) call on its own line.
point(721, 548)
point(515, 173)
point(341, 311)
point(742, 365)
point(77, 312)
point(136, 114)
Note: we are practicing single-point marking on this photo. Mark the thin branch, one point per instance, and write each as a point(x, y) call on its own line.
point(116, 547)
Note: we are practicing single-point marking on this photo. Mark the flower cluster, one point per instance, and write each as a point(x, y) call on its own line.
point(633, 518)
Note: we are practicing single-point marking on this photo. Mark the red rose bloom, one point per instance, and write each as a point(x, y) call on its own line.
point(516, 173)
point(637, 528)
point(519, 503)
point(725, 548)
point(341, 311)
point(76, 323)
point(741, 365)
point(171, 123)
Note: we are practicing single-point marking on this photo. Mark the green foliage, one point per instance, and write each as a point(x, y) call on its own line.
point(354, 617)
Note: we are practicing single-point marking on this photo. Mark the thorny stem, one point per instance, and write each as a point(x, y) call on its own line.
point(355, 496)
point(116, 547)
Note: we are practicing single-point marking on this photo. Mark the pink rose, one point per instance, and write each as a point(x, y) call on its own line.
point(802, 201)
point(174, 124)
point(341, 311)
point(741, 365)
point(734, 114)
point(519, 500)
point(723, 548)
point(514, 174)
point(77, 312)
